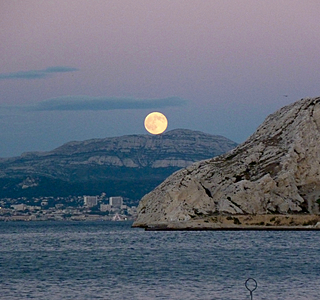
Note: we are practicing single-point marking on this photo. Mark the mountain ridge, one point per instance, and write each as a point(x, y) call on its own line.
point(97, 161)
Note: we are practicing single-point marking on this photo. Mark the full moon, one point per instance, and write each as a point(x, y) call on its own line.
point(155, 123)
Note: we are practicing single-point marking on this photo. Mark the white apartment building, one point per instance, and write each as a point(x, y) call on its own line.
point(90, 201)
point(116, 202)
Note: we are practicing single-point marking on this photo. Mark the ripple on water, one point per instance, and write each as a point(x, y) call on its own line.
point(110, 260)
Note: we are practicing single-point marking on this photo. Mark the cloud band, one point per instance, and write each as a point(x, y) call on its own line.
point(37, 74)
point(75, 103)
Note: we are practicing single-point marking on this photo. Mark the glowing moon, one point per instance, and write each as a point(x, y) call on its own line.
point(155, 123)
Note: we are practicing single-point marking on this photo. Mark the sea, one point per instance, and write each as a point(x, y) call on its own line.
point(111, 260)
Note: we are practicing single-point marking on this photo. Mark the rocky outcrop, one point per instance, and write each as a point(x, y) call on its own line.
point(276, 171)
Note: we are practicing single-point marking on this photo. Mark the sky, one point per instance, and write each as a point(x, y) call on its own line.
point(82, 69)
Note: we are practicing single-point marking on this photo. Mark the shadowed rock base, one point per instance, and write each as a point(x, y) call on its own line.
point(241, 222)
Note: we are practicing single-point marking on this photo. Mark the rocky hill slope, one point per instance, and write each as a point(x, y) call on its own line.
point(275, 173)
point(128, 165)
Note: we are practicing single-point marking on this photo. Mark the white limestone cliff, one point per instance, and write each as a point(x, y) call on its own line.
point(276, 171)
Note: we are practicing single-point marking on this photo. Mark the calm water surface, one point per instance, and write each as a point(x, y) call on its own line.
point(110, 260)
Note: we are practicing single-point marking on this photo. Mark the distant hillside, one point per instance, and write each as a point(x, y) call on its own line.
point(130, 166)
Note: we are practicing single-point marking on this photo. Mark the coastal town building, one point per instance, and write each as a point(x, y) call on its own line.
point(116, 202)
point(71, 208)
point(90, 201)
point(105, 207)
point(19, 207)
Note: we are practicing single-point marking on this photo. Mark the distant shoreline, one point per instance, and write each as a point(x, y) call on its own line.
point(26, 219)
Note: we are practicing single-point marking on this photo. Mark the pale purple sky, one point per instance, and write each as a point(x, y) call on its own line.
point(81, 69)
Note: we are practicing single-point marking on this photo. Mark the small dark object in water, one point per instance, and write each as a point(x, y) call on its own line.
point(252, 287)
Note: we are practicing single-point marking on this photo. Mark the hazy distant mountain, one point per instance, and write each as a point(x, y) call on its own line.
point(128, 165)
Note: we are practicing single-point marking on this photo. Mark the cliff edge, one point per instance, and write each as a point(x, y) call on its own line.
point(271, 179)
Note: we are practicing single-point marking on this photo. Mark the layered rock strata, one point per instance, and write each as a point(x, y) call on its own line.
point(129, 166)
point(176, 148)
point(276, 171)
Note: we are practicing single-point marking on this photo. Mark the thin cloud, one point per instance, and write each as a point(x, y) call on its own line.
point(74, 103)
point(37, 74)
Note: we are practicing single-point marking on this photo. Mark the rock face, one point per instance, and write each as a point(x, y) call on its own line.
point(176, 148)
point(276, 171)
point(128, 165)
